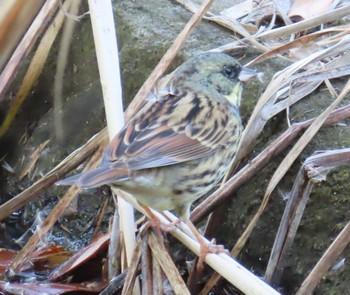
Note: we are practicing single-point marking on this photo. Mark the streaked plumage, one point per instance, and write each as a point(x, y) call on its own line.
point(182, 140)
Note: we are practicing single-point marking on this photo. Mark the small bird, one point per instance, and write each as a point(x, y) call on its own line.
point(181, 141)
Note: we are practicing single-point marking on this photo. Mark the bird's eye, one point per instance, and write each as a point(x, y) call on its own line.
point(230, 72)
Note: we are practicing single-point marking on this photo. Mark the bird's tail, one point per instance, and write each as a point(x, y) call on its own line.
point(96, 177)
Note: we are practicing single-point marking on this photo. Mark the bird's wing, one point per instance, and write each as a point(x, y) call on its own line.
point(161, 135)
point(152, 147)
point(155, 148)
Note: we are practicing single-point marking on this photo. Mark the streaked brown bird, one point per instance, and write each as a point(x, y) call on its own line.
point(180, 143)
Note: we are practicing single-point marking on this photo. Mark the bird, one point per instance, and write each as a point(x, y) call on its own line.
point(180, 142)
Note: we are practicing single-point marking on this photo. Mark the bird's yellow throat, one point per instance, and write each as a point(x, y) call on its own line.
point(234, 98)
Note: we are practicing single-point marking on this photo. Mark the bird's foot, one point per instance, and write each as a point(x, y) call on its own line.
point(158, 226)
point(204, 247)
point(155, 223)
point(208, 248)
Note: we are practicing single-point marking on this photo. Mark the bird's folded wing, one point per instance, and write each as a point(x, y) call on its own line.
point(96, 177)
point(151, 148)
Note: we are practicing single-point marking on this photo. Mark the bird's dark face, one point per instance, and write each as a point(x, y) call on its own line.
point(216, 74)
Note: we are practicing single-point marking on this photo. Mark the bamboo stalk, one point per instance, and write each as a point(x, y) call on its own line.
point(103, 26)
point(230, 269)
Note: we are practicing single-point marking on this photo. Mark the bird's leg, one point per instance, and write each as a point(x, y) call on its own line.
point(205, 247)
point(155, 223)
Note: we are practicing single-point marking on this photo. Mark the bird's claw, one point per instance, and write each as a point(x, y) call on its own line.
point(209, 248)
point(217, 249)
point(159, 226)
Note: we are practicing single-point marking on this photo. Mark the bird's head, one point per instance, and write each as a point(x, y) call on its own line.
point(217, 74)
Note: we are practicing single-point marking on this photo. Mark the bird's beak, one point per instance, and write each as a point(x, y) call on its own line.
point(246, 74)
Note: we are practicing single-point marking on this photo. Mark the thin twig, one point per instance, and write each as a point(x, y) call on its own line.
point(301, 41)
point(114, 253)
point(157, 277)
point(307, 24)
point(168, 266)
point(115, 284)
point(146, 267)
point(100, 218)
point(34, 157)
point(62, 58)
point(328, 258)
point(286, 232)
point(133, 270)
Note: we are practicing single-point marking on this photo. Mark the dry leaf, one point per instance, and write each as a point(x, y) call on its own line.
point(51, 288)
point(305, 9)
point(82, 256)
point(239, 10)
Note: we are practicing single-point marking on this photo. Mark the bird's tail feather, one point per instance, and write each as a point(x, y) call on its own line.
point(95, 177)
